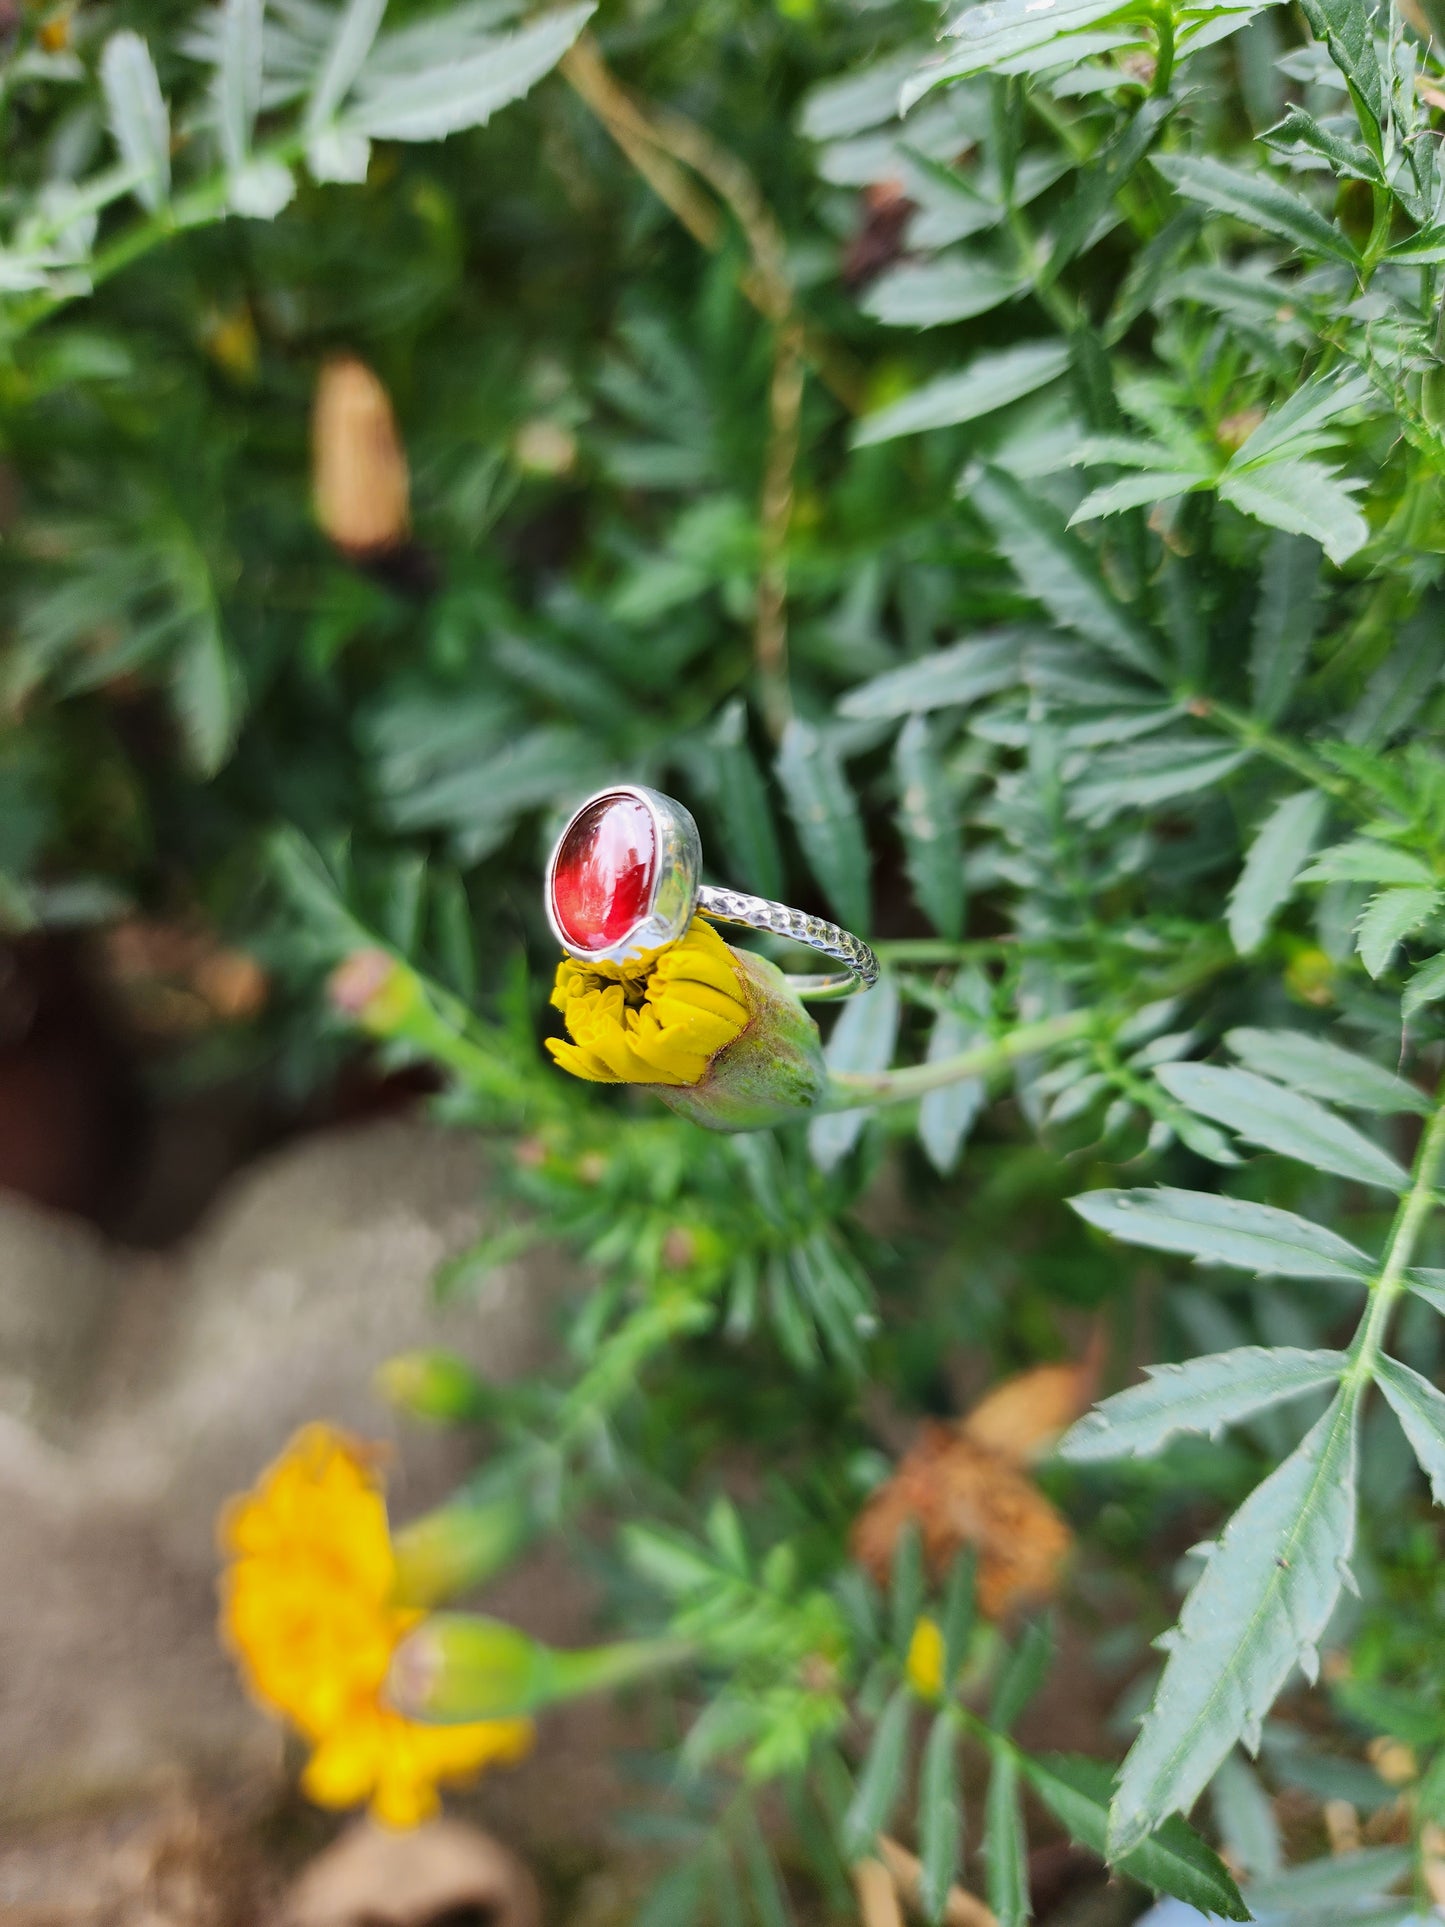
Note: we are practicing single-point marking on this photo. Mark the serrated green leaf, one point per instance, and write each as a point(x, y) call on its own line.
point(741, 796)
point(1006, 31)
point(1346, 157)
point(928, 821)
point(1141, 776)
point(1286, 621)
point(208, 694)
point(905, 1585)
point(1272, 867)
point(881, 1779)
point(949, 678)
point(1204, 1395)
point(1428, 1283)
point(357, 25)
point(956, 1621)
point(1301, 497)
point(1258, 200)
point(1139, 491)
point(1005, 1845)
point(1224, 1231)
point(1325, 1070)
point(1060, 570)
point(1258, 1611)
point(1388, 919)
point(1174, 1860)
point(1347, 29)
point(863, 1039)
point(927, 294)
point(940, 1817)
point(1363, 860)
point(1427, 986)
point(946, 1115)
point(136, 112)
point(990, 381)
point(432, 102)
point(1420, 1408)
point(1281, 1120)
point(825, 814)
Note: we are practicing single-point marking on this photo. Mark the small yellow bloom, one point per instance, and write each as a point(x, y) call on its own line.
point(925, 1660)
point(308, 1609)
point(661, 1019)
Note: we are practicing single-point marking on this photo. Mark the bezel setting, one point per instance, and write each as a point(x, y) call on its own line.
point(677, 868)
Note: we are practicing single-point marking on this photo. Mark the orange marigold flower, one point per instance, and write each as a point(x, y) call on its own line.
point(308, 1610)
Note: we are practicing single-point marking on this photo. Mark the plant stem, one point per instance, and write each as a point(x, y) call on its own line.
point(1414, 1209)
point(1164, 50)
point(1256, 737)
point(848, 1090)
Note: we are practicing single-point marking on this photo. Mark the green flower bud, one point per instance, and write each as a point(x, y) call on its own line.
point(459, 1667)
point(435, 1385)
point(460, 1545)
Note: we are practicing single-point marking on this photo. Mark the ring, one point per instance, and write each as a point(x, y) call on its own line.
point(623, 879)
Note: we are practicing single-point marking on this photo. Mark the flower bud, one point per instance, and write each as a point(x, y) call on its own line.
point(459, 1667)
point(376, 990)
point(458, 1546)
point(434, 1385)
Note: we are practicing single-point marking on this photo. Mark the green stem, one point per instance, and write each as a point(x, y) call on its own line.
point(1265, 743)
point(1164, 50)
point(847, 1090)
point(1410, 1219)
point(197, 207)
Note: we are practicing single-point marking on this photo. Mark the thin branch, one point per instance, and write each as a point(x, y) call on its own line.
point(877, 1896)
point(961, 1909)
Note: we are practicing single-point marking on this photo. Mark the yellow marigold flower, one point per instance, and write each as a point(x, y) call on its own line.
point(925, 1660)
point(716, 1033)
point(660, 1019)
point(309, 1611)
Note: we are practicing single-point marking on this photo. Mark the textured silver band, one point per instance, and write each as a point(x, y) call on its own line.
point(860, 966)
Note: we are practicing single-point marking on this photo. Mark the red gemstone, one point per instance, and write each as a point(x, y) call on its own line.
point(603, 877)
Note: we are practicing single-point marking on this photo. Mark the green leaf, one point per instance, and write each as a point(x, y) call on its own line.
point(1099, 181)
point(1224, 1231)
point(1060, 570)
point(1286, 621)
point(1424, 249)
point(1005, 1845)
point(825, 815)
point(1335, 1881)
point(1021, 1675)
point(1175, 1861)
point(881, 1779)
point(1141, 776)
point(1006, 30)
point(351, 41)
point(946, 1115)
point(1244, 1817)
point(1284, 1121)
point(928, 820)
point(1420, 1409)
point(260, 188)
point(208, 694)
point(1299, 129)
point(429, 103)
point(139, 121)
point(1428, 1283)
point(940, 1817)
point(1388, 919)
point(990, 381)
point(1324, 1070)
point(1150, 485)
point(956, 1621)
point(862, 1040)
point(1427, 986)
point(1302, 497)
point(1276, 857)
point(1363, 860)
point(1205, 1395)
point(905, 1586)
point(238, 79)
point(1347, 29)
point(741, 797)
point(1258, 1611)
point(926, 294)
point(1258, 200)
point(948, 678)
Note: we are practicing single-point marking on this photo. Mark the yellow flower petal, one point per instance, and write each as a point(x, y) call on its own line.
point(660, 1019)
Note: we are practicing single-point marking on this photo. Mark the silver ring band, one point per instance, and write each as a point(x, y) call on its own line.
point(860, 966)
point(623, 880)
